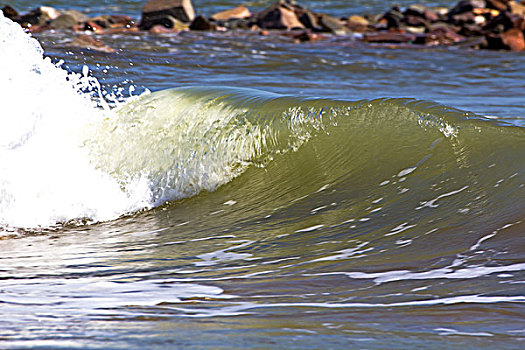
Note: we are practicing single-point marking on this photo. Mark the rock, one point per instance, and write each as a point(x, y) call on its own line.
point(512, 39)
point(333, 25)
point(10, 13)
point(421, 12)
point(113, 21)
point(467, 6)
point(500, 5)
point(308, 19)
point(392, 18)
point(278, 16)
point(160, 29)
point(64, 21)
point(88, 42)
point(240, 12)
point(504, 22)
point(442, 35)
point(202, 23)
point(155, 11)
point(463, 18)
point(69, 19)
point(517, 8)
point(357, 24)
point(39, 16)
point(93, 26)
point(307, 35)
point(415, 21)
point(386, 37)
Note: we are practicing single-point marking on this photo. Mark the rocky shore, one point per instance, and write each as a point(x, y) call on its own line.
point(475, 24)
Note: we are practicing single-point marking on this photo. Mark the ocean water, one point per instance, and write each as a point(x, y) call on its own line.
point(238, 191)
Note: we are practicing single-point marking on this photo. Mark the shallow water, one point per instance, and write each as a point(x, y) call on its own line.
point(281, 196)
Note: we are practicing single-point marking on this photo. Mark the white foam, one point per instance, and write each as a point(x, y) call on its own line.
point(45, 174)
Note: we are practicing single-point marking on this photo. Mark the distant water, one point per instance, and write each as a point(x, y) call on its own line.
point(265, 194)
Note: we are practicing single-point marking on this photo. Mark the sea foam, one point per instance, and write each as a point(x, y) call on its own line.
point(46, 177)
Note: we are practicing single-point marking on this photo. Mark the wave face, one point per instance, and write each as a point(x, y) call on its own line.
point(66, 156)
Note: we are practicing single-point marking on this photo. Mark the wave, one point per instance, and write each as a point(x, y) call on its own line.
point(67, 157)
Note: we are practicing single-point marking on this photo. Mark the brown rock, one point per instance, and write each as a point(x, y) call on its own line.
point(500, 5)
point(466, 6)
point(160, 29)
point(202, 23)
point(113, 21)
point(517, 8)
point(308, 36)
point(333, 25)
point(512, 39)
point(240, 12)
point(357, 24)
point(278, 17)
point(386, 37)
point(392, 18)
point(10, 12)
point(88, 42)
point(155, 11)
point(442, 35)
point(93, 27)
point(504, 22)
point(121, 30)
point(421, 12)
point(307, 18)
point(39, 16)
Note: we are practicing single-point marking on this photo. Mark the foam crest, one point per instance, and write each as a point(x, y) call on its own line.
point(45, 175)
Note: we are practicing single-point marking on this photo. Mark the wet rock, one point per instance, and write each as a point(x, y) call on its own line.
point(235, 24)
point(278, 16)
point(517, 8)
point(113, 21)
point(308, 36)
point(160, 29)
point(333, 25)
point(392, 18)
point(512, 39)
point(422, 12)
point(64, 21)
point(387, 37)
point(504, 22)
point(93, 26)
point(415, 21)
point(240, 12)
point(10, 13)
point(88, 42)
point(442, 35)
point(307, 18)
point(467, 6)
point(171, 23)
point(202, 23)
point(39, 16)
point(500, 5)
point(155, 12)
point(357, 24)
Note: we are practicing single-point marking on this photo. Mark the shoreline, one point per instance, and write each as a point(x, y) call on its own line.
point(469, 24)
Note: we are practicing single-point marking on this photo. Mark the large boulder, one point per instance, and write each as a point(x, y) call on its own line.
point(156, 11)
